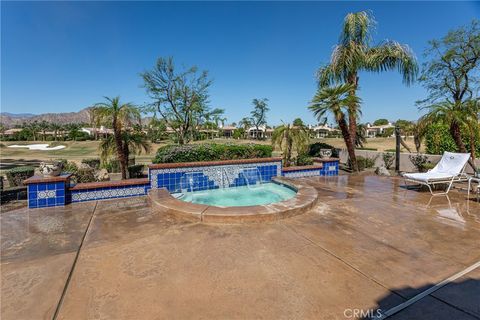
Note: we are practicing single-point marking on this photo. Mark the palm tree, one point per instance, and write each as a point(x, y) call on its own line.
point(56, 128)
point(338, 101)
point(133, 142)
point(456, 116)
point(288, 137)
point(120, 116)
point(245, 123)
point(354, 53)
point(361, 136)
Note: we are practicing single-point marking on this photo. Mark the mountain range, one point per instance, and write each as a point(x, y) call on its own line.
point(11, 119)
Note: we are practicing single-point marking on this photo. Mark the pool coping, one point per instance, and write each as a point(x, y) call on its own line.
point(305, 199)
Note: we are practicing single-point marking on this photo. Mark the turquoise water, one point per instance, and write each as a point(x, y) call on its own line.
point(241, 196)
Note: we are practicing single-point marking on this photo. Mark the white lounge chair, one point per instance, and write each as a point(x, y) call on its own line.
point(448, 170)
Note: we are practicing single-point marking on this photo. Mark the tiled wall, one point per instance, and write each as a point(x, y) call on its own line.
point(109, 192)
point(330, 168)
point(46, 194)
point(212, 177)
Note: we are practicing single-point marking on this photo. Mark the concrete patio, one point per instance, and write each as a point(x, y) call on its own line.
point(367, 245)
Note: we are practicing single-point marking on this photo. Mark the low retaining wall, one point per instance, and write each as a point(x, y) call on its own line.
point(191, 176)
point(108, 190)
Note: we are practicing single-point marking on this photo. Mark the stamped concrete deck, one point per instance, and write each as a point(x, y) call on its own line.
point(366, 245)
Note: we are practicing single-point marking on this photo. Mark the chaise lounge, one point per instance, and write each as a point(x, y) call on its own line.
point(448, 170)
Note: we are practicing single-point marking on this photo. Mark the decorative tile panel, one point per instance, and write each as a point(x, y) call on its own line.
point(109, 193)
point(210, 177)
point(46, 194)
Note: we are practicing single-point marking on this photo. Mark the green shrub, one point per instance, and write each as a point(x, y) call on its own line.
point(135, 171)
point(211, 152)
point(388, 158)
point(94, 163)
point(418, 161)
point(303, 160)
point(364, 162)
point(16, 175)
point(314, 149)
point(438, 140)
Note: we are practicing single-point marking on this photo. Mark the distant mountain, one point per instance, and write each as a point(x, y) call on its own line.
point(17, 115)
point(12, 119)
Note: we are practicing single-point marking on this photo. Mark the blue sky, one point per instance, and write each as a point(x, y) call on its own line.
point(64, 56)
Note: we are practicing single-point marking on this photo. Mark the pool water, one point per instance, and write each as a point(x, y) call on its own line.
point(241, 196)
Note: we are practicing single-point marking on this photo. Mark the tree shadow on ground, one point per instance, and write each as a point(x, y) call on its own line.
point(457, 300)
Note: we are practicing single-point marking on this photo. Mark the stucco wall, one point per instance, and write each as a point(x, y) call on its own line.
point(405, 164)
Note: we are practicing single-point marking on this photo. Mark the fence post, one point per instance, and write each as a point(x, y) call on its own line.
point(397, 149)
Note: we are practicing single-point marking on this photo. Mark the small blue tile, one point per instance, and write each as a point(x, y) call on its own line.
point(42, 186)
point(60, 193)
point(42, 202)
point(32, 195)
point(51, 186)
point(60, 201)
point(32, 187)
point(51, 201)
point(32, 203)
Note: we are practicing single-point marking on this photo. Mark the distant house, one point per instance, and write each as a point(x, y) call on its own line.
point(261, 133)
point(322, 131)
point(99, 131)
point(373, 131)
point(227, 131)
point(11, 132)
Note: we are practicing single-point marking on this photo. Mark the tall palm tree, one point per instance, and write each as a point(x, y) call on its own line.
point(134, 142)
point(354, 53)
point(338, 101)
point(456, 117)
point(120, 116)
point(287, 137)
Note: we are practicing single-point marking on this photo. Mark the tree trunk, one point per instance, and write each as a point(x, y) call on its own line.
point(349, 143)
point(126, 155)
point(117, 135)
point(352, 116)
point(457, 137)
point(405, 145)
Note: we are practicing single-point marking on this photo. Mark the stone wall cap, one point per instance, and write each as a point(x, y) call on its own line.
point(44, 179)
point(108, 184)
point(298, 168)
point(325, 159)
point(211, 163)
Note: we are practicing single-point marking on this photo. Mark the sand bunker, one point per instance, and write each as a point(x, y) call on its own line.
point(41, 146)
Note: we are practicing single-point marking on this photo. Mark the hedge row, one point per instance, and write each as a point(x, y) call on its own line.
point(211, 152)
point(16, 175)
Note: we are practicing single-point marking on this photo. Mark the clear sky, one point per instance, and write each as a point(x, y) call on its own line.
point(64, 56)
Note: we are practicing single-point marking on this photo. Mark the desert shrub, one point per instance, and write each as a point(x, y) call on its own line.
point(112, 166)
point(418, 160)
point(94, 163)
point(314, 149)
point(388, 158)
point(68, 166)
point(303, 160)
point(135, 171)
point(360, 163)
point(84, 174)
point(427, 166)
point(364, 162)
point(15, 176)
point(211, 152)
